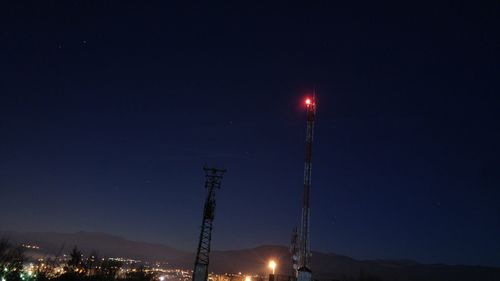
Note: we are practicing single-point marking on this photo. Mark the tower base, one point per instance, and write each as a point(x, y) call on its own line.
point(200, 272)
point(304, 274)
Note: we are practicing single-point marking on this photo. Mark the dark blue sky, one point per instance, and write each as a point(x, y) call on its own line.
point(109, 111)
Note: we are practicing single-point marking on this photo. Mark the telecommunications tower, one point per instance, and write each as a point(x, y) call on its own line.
point(213, 179)
point(302, 251)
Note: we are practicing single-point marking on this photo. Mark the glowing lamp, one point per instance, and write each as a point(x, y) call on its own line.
point(308, 101)
point(272, 265)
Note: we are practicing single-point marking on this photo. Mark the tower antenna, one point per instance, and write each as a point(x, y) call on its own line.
point(304, 250)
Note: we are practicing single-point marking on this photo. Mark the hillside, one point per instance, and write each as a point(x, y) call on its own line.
point(326, 266)
point(107, 245)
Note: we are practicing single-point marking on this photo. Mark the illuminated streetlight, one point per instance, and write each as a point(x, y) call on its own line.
point(248, 278)
point(272, 265)
point(162, 278)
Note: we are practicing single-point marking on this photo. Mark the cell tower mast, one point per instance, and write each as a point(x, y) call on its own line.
point(213, 179)
point(304, 255)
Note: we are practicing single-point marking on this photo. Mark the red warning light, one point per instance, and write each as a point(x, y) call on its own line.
point(308, 101)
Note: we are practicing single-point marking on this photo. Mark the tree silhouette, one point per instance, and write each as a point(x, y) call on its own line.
point(75, 264)
point(11, 261)
point(109, 269)
point(92, 262)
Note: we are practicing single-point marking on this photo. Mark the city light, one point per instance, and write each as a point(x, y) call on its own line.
point(272, 265)
point(248, 278)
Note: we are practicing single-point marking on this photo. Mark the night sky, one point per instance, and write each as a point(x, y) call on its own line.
point(109, 110)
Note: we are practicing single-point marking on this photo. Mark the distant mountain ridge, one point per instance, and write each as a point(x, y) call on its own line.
point(105, 244)
point(326, 266)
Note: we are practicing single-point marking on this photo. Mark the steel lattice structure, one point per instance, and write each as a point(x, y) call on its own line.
point(213, 179)
point(304, 250)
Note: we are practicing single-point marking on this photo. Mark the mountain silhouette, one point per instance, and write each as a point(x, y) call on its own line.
point(325, 266)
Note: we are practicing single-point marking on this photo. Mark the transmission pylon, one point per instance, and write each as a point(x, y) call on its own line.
point(213, 179)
